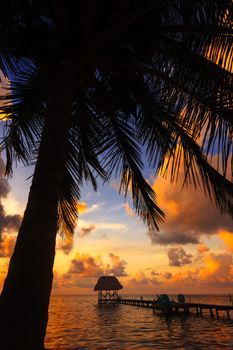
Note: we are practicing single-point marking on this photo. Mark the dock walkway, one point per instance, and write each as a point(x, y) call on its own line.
point(175, 307)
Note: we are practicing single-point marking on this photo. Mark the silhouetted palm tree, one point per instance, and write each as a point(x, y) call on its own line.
point(102, 87)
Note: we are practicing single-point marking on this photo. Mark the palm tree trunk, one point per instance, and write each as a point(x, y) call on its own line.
point(25, 297)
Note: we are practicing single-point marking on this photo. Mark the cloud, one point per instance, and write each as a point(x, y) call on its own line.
point(140, 280)
point(82, 207)
point(227, 238)
point(216, 272)
point(167, 275)
point(188, 278)
point(8, 223)
point(178, 257)
point(154, 273)
point(217, 268)
point(7, 244)
point(202, 248)
point(109, 226)
point(86, 265)
point(84, 231)
point(116, 207)
point(117, 266)
point(189, 214)
point(115, 226)
point(66, 246)
point(129, 210)
point(172, 237)
point(94, 207)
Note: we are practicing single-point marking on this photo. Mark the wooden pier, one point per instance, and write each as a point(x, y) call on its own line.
point(174, 307)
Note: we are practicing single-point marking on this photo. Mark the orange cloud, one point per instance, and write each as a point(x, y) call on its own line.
point(7, 244)
point(216, 272)
point(82, 207)
point(227, 238)
point(202, 248)
point(189, 214)
point(212, 265)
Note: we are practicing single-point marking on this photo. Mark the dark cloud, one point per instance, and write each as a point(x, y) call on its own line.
point(154, 273)
point(66, 247)
point(117, 266)
point(167, 275)
point(88, 266)
point(142, 280)
point(76, 266)
point(7, 222)
point(84, 231)
point(173, 237)
point(139, 282)
point(154, 281)
point(178, 257)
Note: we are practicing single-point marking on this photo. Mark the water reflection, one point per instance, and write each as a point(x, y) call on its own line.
point(77, 322)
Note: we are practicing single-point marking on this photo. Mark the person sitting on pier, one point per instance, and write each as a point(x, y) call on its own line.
point(181, 298)
point(164, 298)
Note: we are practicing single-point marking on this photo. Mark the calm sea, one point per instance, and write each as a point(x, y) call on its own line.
point(76, 322)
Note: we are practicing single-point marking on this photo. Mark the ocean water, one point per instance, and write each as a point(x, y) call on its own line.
point(77, 322)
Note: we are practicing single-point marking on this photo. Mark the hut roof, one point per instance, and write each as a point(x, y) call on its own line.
point(108, 283)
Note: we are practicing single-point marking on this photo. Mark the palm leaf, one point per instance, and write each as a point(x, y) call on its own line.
point(24, 106)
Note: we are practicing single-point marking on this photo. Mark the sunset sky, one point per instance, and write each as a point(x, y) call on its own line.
point(192, 253)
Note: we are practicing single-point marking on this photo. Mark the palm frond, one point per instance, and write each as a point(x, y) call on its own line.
point(157, 76)
point(24, 107)
point(124, 156)
point(82, 164)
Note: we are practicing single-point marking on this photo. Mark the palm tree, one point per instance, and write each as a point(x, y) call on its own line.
point(99, 88)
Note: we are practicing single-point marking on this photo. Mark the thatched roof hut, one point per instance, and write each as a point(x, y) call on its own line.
point(108, 283)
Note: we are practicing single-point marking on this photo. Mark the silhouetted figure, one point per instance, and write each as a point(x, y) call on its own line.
point(181, 298)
